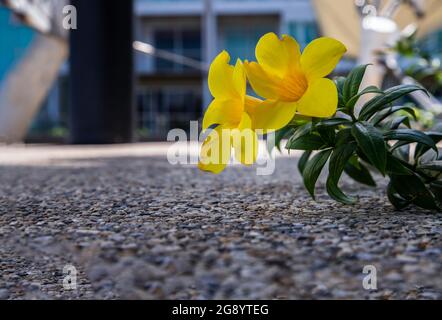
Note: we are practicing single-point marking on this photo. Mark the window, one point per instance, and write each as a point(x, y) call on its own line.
point(161, 108)
point(182, 42)
point(240, 38)
point(303, 32)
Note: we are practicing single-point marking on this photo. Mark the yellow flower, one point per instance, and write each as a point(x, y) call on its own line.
point(293, 82)
point(229, 111)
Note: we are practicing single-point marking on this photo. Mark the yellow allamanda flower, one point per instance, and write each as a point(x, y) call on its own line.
point(293, 82)
point(230, 112)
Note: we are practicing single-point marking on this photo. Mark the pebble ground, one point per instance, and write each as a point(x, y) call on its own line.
point(136, 227)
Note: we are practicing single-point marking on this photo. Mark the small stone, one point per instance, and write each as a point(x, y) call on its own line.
point(129, 246)
point(107, 244)
point(97, 273)
point(406, 259)
point(4, 294)
point(320, 290)
point(35, 286)
point(44, 240)
point(83, 232)
point(365, 256)
point(394, 276)
point(117, 238)
point(429, 296)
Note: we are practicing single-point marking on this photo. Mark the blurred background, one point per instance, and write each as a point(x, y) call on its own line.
point(178, 39)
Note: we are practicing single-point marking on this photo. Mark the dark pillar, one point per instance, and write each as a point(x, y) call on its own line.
point(101, 70)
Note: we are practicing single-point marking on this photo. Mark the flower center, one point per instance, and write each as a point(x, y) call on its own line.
point(294, 86)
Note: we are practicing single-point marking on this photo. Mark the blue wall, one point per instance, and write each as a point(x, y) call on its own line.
point(14, 39)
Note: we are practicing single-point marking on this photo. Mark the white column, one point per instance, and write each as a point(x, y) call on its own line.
point(210, 44)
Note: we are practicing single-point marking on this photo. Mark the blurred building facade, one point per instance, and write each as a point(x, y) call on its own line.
point(169, 94)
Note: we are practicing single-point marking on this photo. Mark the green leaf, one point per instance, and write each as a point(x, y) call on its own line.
point(398, 121)
point(340, 82)
point(382, 115)
point(412, 189)
point(301, 130)
point(433, 166)
point(340, 85)
point(338, 160)
point(436, 188)
point(396, 166)
point(341, 155)
point(372, 144)
point(396, 200)
point(327, 134)
point(421, 149)
point(300, 120)
point(280, 135)
point(353, 82)
point(344, 136)
point(360, 174)
point(371, 89)
point(411, 136)
point(303, 161)
point(313, 170)
point(305, 142)
point(333, 122)
point(381, 102)
point(337, 194)
point(399, 144)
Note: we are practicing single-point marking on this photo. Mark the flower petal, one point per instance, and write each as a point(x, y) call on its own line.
point(276, 55)
point(221, 83)
point(239, 79)
point(216, 150)
point(272, 115)
point(320, 100)
point(245, 142)
point(321, 56)
point(265, 85)
point(223, 112)
point(251, 103)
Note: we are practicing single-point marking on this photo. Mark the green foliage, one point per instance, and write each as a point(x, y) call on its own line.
point(282, 134)
point(422, 65)
point(383, 100)
point(410, 136)
point(353, 82)
point(358, 172)
point(306, 142)
point(302, 163)
point(371, 142)
point(379, 138)
point(313, 169)
point(339, 158)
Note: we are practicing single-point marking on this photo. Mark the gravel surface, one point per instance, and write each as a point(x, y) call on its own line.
point(136, 227)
